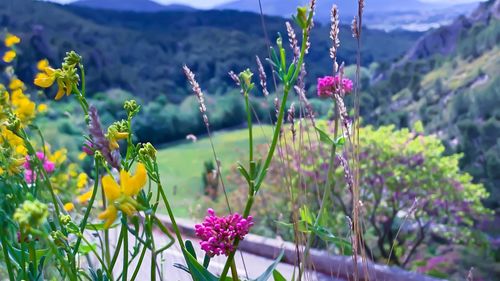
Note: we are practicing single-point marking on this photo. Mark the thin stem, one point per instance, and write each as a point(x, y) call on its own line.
point(83, 224)
point(125, 247)
point(7, 256)
point(234, 272)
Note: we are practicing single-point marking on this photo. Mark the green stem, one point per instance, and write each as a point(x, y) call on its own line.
point(171, 216)
point(139, 263)
point(23, 258)
point(234, 272)
point(83, 224)
point(110, 274)
point(324, 199)
point(7, 256)
point(250, 131)
point(125, 247)
point(117, 250)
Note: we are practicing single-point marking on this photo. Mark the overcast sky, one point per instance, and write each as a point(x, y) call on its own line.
point(212, 3)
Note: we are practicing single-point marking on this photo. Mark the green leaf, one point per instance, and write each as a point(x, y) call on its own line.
point(85, 248)
point(340, 141)
point(190, 248)
point(305, 215)
point(278, 276)
point(206, 261)
point(325, 235)
point(269, 271)
point(244, 173)
point(324, 138)
point(197, 271)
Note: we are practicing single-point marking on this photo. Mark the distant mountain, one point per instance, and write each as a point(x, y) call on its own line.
point(383, 14)
point(130, 5)
point(450, 81)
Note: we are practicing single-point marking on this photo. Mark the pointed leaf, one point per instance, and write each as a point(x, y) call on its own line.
point(269, 271)
point(324, 138)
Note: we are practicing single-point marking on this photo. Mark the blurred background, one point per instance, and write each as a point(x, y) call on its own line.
point(437, 61)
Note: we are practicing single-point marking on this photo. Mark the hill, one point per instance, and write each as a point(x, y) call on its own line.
point(143, 52)
point(381, 14)
point(130, 5)
point(452, 85)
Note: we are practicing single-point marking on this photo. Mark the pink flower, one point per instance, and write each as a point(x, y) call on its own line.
point(29, 174)
point(217, 234)
point(329, 84)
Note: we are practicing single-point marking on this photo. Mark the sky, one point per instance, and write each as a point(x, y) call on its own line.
point(204, 4)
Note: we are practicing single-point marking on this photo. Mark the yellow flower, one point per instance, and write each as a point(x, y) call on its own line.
point(114, 136)
point(46, 78)
point(69, 207)
point(42, 108)
point(59, 156)
point(15, 142)
point(81, 180)
point(11, 40)
point(9, 56)
point(42, 64)
point(16, 84)
point(120, 196)
point(82, 156)
point(84, 197)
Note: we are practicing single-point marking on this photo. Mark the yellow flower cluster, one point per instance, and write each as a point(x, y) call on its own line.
point(9, 42)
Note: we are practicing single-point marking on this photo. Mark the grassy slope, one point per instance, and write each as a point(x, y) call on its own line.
point(181, 166)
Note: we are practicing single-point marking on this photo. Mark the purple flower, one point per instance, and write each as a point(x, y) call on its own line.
point(217, 234)
point(99, 140)
point(328, 85)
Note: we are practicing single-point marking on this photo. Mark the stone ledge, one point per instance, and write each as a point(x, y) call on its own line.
point(341, 267)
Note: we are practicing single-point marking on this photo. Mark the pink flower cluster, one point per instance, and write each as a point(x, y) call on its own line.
point(217, 234)
point(29, 173)
point(329, 84)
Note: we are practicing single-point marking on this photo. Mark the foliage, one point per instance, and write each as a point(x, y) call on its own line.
point(412, 195)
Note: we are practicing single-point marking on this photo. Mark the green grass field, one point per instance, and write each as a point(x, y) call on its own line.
point(182, 165)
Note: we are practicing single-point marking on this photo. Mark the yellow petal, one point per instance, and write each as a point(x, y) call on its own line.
point(60, 91)
point(84, 197)
point(128, 209)
point(16, 84)
point(69, 207)
point(111, 188)
point(42, 108)
point(43, 80)
point(9, 56)
point(136, 182)
point(82, 156)
point(109, 215)
point(42, 64)
point(11, 40)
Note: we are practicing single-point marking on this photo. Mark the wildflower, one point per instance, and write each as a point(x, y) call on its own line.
point(100, 142)
point(334, 36)
point(9, 56)
point(81, 180)
point(16, 84)
point(262, 77)
point(42, 64)
point(31, 214)
point(85, 197)
point(46, 78)
point(11, 40)
point(59, 156)
point(217, 234)
point(292, 38)
point(29, 173)
point(198, 93)
point(69, 207)
point(42, 108)
point(120, 196)
point(114, 135)
point(329, 85)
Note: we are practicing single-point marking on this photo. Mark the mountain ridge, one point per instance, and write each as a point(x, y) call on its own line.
point(131, 5)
